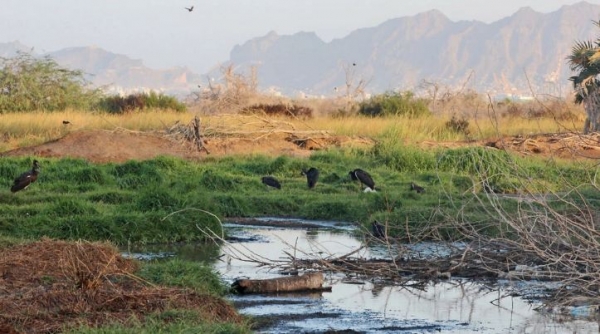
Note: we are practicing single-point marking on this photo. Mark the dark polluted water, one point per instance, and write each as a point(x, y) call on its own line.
point(453, 306)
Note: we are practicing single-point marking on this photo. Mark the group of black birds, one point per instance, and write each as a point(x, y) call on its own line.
point(312, 177)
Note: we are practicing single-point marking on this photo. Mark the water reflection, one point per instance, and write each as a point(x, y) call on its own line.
point(455, 306)
point(201, 252)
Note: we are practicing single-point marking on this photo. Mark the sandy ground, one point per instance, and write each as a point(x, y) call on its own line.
point(101, 146)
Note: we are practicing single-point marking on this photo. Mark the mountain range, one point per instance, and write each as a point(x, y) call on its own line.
point(517, 54)
point(524, 53)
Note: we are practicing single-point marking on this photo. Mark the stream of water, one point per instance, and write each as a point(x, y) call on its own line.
point(453, 306)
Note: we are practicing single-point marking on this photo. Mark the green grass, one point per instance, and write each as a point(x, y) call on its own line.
point(133, 202)
point(181, 273)
point(170, 321)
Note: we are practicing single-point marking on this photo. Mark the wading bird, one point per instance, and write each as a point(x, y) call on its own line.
point(24, 180)
point(417, 188)
point(312, 176)
point(271, 182)
point(190, 9)
point(378, 230)
point(364, 178)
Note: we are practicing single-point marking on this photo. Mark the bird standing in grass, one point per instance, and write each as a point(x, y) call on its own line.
point(271, 182)
point(24, 180)
point(364, 178)
point(417, 188)
point(312, 176)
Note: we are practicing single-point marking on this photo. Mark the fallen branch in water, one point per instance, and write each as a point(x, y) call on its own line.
point(311, 281)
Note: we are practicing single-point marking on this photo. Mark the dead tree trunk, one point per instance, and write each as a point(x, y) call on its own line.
point(591, 104)
point(306, 282)
point(198, 137)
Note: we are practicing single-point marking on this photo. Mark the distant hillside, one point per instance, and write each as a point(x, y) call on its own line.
point(505, 56)
point(118, 73)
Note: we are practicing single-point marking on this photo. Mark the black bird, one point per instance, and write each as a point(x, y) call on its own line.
point(24, 180)
point(378, 230)
point(312, 176)
point(417, 188)
point(65, 122)
point(271, 182)
point(190, 9)
point(363, 177)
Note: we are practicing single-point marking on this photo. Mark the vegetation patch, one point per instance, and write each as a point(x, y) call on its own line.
point(279, 110)
point(117, 104)
point(394, 103)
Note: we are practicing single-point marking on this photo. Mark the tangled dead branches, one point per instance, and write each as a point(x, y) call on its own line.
point(191, 134)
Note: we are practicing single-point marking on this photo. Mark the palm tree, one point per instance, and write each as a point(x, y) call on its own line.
point(585, 60)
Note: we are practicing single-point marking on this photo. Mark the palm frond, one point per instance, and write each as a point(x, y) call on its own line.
point(580, 55)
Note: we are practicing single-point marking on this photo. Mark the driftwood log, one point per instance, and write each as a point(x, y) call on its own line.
point(306, 282)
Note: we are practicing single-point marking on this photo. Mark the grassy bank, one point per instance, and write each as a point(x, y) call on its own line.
point(163, 200)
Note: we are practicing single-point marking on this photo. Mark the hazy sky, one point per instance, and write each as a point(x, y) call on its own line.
point(164, 34)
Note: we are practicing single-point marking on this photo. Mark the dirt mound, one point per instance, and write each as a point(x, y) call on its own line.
point(557, 145)
point(108, 146)
point(101, 146)
point(48, 284)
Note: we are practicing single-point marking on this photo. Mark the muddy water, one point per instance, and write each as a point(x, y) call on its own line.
point(455, 306)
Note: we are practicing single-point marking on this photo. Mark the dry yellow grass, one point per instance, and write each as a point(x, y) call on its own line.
point(33, 128)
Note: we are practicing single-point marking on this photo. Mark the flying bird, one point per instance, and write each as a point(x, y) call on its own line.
point(190, 9)
point(363, 177)
point(271, 182)
point(24, 180)
point(312, 176)
point(378, 230)
point(417, 188)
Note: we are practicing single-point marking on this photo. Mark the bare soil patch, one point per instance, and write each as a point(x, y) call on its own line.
point(47, 285)
point(550, 145)
point(101, 146)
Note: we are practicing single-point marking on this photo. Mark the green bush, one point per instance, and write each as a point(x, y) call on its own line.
point(394, 103)
point(30, 84)
point(116, 104)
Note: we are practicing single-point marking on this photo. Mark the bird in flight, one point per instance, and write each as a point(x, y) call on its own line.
point(190, 9)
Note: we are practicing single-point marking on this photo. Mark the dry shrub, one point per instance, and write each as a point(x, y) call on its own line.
point(232, 92)
point(47, 285)
point(553, 109)
point(458, 125)
point(279, 109)
point(445, 100)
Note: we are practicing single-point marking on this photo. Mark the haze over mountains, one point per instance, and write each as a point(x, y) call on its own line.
point(517, 54)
